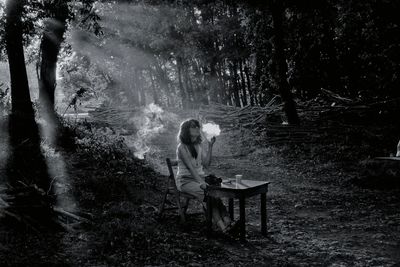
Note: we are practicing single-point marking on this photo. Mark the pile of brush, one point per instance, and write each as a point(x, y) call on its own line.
point(329, 115)
point(248, 116)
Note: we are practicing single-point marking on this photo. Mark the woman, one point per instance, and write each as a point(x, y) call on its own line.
point(190, 174)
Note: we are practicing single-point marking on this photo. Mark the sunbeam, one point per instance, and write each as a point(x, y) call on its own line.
point(56, 168)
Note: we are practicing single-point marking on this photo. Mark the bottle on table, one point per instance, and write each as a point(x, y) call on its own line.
point(398, 150)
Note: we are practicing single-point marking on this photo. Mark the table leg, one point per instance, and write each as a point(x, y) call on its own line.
point(242, 218)
point(264, 213)
point(209, 215)
point(231, 206)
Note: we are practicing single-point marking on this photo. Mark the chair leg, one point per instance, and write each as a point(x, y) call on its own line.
point(187, 201)
point(180, 208)
point(209, 216)
point(204, 206)
point(163, 203)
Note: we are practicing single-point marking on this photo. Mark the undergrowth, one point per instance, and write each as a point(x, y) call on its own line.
point(104, 168)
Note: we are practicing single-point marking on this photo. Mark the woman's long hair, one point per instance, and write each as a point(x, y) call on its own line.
point(184, 135)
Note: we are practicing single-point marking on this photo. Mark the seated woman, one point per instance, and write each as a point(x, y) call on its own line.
point(190, 175)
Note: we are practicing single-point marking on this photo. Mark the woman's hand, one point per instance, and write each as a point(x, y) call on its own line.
point(203, 186)
point(212, 141)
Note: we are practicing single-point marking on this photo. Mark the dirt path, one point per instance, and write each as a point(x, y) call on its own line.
point(316, 218)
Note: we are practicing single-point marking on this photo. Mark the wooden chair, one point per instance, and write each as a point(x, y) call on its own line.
point(176, 194)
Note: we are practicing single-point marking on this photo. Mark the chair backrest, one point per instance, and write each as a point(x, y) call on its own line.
point(171, 163)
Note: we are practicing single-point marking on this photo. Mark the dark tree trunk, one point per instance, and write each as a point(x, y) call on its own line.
point(243, 83)
point(181, 88)
point(189, 89)
point(200, 90)
point(332, 64)
point(251, 92)
point(164, 82)
point(235, 87)
point(52, 38)
point(26, 164)
point(286, 94)
point(257, 79)
point(227, 92)
point(170, 98)
point(222, 87)
point(194, 90)
point(20, 97)
point(261, 99)
point(168, 89)
point(214, 84)
point(156, 97)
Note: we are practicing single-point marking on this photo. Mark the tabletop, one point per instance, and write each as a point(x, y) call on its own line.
point(245, 187)
point(243, 184)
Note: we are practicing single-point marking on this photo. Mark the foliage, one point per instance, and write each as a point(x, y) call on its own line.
point(225, 51)
point(104, 144)
point(36, 12)
point(107, 168)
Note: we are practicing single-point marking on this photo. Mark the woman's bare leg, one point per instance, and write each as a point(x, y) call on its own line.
point(217, 215)
point(223, 211)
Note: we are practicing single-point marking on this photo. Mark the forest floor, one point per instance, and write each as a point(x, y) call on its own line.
point(316, 215)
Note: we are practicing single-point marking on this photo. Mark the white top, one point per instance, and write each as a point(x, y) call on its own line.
point(196, 162)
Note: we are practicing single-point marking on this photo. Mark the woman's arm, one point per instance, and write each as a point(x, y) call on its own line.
point(206, 156)
point(185, 157)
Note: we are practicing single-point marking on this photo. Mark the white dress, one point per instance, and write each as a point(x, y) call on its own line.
point(184, 180)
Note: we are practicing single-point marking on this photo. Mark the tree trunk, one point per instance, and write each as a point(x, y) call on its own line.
point(156, 97)
point(181, 88)
point(25, 164)
point(214, 84)
point(170, 98)
point(189, 89)
point(286, 94)
point(261, 99)
point(20, 97)
point(194, 90)
point(200, 90)
point(235, 84)
point(225, 92)
point(251, 92)
point(243, 83)
point(332, 64)
point(257, 79)
point(52, 38)
point(220, 84)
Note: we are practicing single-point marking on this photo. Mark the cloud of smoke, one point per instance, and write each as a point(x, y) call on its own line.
point(211, 129)
point(150, 121)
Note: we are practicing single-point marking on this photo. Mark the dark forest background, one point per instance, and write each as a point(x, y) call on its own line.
point(183, 53)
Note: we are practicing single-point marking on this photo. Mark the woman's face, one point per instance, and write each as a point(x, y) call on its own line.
point(194, 130)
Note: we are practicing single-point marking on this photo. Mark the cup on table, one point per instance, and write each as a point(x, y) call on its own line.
point(238, 178)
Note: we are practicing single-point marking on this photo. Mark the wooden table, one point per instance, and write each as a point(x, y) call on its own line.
point(242, 190)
